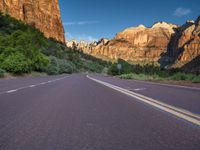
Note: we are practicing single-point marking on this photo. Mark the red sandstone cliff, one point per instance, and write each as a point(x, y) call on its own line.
point(189, 41)
point(43, 14)
point(134, 44)
point(163, 42)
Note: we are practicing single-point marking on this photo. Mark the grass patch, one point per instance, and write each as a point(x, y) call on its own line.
point(151, 72)
point(176, 77)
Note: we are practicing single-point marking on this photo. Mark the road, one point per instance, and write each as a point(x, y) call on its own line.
point(73, 112)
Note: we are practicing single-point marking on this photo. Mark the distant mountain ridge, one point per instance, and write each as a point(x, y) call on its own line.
point(42, 14)
point(163, 43)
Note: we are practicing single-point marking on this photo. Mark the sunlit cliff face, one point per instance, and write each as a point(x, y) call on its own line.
point(149, 44)
point(43, 14)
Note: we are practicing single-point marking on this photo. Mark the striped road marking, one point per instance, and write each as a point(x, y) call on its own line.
point(180, 113)
point(32, 86)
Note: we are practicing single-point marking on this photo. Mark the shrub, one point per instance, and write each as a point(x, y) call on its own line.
point(59, 66)
point(105, 70)
point(196, 79)
point(66, 66)
point(40, 61)
point(126, 68)
point(93, 66)
point(179, 76)
point(2, 73)
point(16, 63)
point(135, 76)
point(52, 70)
point(53, 67)
point(127, 76)
point(112, 70)
point(25, 44)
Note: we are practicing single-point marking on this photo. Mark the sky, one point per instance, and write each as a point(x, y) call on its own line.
point(91, 20)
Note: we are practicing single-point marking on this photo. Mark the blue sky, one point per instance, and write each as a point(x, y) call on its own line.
point(93, 19)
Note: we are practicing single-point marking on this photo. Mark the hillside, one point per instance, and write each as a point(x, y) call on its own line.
point(24, 49)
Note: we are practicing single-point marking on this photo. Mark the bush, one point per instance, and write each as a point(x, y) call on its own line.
point(66, 66)
point(2, 73)
point(178, 76)
point(25, 44)
point(127, 76)
point(105, 70)
point(183, 76)
point(126, 68)
point(196, 79)
point(52, 70)
point(112, 70)
point(16, 63)
point(20, 46)
point(93, 66)
point(59, 66)
point(135, 76)
point(53, 67)
point(40, 61)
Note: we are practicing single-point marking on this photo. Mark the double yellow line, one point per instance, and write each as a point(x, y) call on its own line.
point(178, 112)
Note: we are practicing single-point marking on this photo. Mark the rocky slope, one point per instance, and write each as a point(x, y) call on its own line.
point(185, 44)
point(163, 42)
point(42, 14)
point(135, 43)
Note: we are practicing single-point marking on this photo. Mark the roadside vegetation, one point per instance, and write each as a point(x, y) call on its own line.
point(151, 73)
point(2, 73)
point(24, 49)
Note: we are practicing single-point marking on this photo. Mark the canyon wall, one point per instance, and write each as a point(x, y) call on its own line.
point(163, 43)
point(42, 14)
point(133, 44)
point(185, 44)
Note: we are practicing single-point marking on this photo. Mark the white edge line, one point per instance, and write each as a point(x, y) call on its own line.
point(156, 101)
point(11, 91)
point(31, 86)
point(178, 113)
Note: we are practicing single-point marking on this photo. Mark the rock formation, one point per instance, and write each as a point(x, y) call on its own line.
point(184, 46)
point(188, 45)
point(163, 42)
point(42, 14)
point(134, 44)
point(72, 44)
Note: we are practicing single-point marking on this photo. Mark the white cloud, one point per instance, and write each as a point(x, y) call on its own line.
point(81, 37)
point(81, 23)
point(87, 38)
point(69, 23)
point(87, 22)
point(179, 12)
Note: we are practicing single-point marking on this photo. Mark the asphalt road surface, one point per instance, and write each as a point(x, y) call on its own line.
point(74, 112)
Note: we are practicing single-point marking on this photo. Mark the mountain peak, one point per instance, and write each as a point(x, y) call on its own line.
point(139, 27)
point(163, 24)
